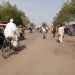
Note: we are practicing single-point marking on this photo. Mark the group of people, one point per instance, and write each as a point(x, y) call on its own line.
point(59, 30)
point(12, 32)
point(43, 29)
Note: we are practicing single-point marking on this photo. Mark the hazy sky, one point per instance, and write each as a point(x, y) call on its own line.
point(39, 11)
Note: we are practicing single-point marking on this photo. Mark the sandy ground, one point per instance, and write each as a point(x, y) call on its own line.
point(43, 57)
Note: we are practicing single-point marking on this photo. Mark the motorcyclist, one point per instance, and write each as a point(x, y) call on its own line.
point(21, 31)
point(31, 29)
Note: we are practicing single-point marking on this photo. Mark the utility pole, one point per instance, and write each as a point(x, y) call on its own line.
point(33, 10)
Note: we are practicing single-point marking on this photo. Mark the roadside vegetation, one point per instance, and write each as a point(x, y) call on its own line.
point(66, 14)
point(8, 11)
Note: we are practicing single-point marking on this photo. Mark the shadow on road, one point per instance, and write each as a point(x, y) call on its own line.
point(22, 39)
point(22, 48)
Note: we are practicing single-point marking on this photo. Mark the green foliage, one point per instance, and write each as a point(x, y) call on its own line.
point(44, 24)
point(32, 24)
point(26, 21)
point(66, 14)
point(7, 11)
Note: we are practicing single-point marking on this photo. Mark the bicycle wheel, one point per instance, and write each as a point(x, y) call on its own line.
point(6, 49)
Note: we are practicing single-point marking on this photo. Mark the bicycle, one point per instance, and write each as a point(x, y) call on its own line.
point(8, 48)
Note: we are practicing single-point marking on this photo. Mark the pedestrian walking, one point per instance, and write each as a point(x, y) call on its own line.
point(54, 31)
point(60, 33)
point(43, 32)
point(51, 29)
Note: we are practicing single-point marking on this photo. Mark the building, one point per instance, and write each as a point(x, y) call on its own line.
point(3, 23)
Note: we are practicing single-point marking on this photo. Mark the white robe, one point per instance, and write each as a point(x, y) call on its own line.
point(9, 31)
point(61, 31)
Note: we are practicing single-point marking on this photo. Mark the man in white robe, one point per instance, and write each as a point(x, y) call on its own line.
point(61, 33)
point(11, 31)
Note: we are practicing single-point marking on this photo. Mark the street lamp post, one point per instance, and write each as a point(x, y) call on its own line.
point(33, 10)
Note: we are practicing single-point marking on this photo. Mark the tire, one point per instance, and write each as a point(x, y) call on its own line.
point(6, 49)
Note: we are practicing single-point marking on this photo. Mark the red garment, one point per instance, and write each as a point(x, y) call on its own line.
point(71, 29)
point(54, 29)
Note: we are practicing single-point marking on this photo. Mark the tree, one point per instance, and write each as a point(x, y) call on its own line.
point(66, 14)
point(7, 11)
point(44, 24)
point(32, 24)
point(26, 21)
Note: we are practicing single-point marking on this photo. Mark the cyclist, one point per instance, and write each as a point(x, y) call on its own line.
point(21, 31)
point(11, 33)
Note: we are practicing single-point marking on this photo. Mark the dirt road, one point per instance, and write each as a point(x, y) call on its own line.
point(41, 57)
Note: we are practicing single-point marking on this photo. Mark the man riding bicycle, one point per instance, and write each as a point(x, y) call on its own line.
point(11, 32)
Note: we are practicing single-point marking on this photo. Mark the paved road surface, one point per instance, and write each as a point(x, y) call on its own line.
point(41, 57)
